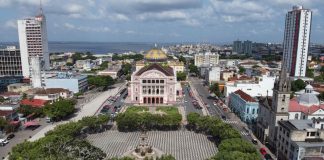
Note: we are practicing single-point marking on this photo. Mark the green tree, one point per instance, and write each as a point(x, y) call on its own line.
point(24, 96)
point(181, 76)
point(59, 109)
point(2, 99)
point(193, 69)
point(241, 69)
point(321, 96)
point(166, 157)
point(322, 70)
point(309, 73)
point(101, 81)
point(126, 69)
point(69, 64)
point(297, 85)
point(27, 110)
point(182, 59)
point(214, 88)
point(3, 123)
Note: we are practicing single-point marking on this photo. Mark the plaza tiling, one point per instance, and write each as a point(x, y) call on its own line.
point(183, 145)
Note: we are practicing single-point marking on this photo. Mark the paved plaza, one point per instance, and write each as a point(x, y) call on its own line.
point(183, 145)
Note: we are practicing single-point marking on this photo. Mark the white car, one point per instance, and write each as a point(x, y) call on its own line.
point(3, 142)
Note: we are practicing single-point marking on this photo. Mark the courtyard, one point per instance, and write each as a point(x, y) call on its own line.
point(183, 145)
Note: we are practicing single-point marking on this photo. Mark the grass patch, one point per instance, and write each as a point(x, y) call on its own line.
point(136, 109)
point(168, 109)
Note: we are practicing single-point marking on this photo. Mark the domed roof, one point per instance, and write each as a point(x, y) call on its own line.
point(155, 55)
point(308, 98)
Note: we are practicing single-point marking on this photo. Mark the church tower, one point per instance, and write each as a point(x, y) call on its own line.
point(280, 104)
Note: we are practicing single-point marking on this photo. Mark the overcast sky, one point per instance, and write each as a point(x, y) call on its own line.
point(160, 20)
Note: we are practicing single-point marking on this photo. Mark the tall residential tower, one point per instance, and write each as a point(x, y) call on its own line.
point(296, 40)
point(33, 42)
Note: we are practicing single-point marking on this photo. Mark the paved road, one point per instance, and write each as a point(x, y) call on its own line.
point(187, 102)
point(231, 118)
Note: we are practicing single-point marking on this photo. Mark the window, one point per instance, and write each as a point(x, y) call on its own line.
point(161, 81)
point(136, 98)
point(312, 134)
point(284, 98)
point(296, 116)
point(253, 110)
point(148, 81)
point(153, 81)
point(247, 110)
point(307, 134)
point(144, 81)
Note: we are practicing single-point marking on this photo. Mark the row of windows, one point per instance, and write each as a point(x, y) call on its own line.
point(153, 81)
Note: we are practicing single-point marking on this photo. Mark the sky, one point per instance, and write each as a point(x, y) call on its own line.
point(212, 21)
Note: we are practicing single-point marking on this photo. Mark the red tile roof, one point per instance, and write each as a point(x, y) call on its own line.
point(245, 96)
point(34, 102)
point(294, 106)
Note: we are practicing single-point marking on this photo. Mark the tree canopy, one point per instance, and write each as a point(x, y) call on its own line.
point(101, 81)
point(64, 142)
point(59, 109)
point(297, 85)
point(241, 69)
point(193, 69)
point(135, 57)
point(214, 88)
point(181, 76)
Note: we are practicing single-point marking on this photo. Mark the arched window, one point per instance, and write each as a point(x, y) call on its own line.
point(296, 116)
point(149, 91)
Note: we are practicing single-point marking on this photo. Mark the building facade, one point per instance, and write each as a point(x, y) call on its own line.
point(74, 83)
point(10, 62)
point(244, 106)
point(33, 42)
point(153, 85)
point(300, 139)
point(213, 74)
point(261, 87)
point(206, 59)
point(296, 40)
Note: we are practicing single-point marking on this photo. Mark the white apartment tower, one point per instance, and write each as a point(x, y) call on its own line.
point(206, 59)
point(296, 40)
point(33, 42)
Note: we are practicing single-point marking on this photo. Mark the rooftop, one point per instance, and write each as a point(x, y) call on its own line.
point(297, 124)
point(168, 71)
point(5, 113)
point(33, 102)
point(244, 96)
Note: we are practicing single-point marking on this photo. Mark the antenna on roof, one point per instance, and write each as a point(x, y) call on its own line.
point(40, 7)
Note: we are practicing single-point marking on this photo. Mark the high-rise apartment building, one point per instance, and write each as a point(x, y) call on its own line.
point(10, 62)
point(296, 40)
point(206, 59)
point(33, 42)
point(10, 67)
point(242, 47)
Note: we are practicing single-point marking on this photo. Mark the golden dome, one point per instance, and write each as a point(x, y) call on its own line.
point(155, 55)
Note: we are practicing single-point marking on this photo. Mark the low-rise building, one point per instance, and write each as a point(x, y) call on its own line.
point(244, 106)
point(83, 64)
point(300, 139)
point(261, 86)
point(225, 75)
point(49, 94)
point(74, 83)
point(213, 75)
point(113, 73)
point(18, 87)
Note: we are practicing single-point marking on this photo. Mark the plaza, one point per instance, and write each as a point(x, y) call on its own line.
point(183, 145)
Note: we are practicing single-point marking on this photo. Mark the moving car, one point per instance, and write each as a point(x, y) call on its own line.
point(10, 136)
point(267, 157)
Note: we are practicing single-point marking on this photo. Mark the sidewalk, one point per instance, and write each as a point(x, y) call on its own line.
point(200, 101)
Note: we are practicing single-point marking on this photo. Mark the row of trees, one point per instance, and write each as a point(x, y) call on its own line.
point(230, 144)
point(193, 69)
point(214, 88)
point(132, 120)
point(64, 142)
point(135, 57)
point(101, 81)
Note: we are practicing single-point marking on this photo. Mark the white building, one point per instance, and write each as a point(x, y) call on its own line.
point(83, 64)
point(296, 40)
point(213, 74)
point(33, 42)
point(74, 83)
point(36, 75)
point(261, 87)
point(206, 59)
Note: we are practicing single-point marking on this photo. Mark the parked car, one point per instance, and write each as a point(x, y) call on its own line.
point(267, 157)
point(48, 120)
point(223, 117)
point(263, 151)
point(3, 142)
point(10, 136)
point(254, 141)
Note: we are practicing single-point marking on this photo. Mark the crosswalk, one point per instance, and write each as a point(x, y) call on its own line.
point(230, 121)
point(244, 133)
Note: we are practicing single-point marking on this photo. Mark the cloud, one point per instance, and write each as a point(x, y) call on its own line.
point(11, 24)
point(70, 26)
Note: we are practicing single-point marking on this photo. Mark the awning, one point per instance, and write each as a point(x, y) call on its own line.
point(31, 123)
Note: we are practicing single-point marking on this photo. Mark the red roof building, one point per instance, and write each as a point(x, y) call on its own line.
point(34, 102)
point(244, 96)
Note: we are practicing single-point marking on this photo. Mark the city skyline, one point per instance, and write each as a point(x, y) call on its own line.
point(213, 21)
